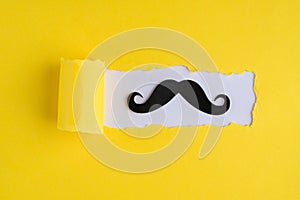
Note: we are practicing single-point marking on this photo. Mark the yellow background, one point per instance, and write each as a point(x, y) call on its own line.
point(258, 162)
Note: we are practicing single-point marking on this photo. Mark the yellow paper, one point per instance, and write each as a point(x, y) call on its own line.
point(39, 161)
point(68, 103)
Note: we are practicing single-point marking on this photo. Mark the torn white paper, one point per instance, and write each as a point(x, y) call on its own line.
point(118, 85)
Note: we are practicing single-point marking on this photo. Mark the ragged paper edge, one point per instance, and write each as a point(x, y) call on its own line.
point(185, 70)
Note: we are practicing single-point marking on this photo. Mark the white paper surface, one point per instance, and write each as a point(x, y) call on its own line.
point(178, 112)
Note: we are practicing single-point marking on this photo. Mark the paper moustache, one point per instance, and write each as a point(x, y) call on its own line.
point(188, 89)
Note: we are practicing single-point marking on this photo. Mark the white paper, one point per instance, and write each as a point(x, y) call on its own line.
point(178, 112)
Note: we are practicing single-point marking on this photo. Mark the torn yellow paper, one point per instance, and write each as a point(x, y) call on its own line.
point(68, 72)
point(75, 90)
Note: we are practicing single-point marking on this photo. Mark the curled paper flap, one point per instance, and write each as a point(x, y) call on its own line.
point(80, 101)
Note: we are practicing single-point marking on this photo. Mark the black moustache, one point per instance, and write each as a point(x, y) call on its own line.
point(188, 89)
